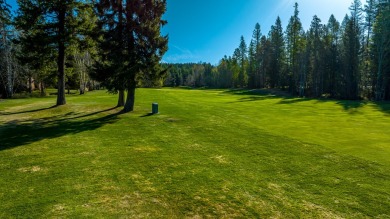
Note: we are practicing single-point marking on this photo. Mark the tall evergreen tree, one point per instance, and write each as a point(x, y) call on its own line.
point(135, 45)
point(7, 78)
point(254, 58)
point(242, 58)
point(277, 58)
point(225, 79)
point(251, 65)
point(381, 52)
point(148, 43)
point(370, 10)
point(332, 57)
point(235, 67)
point(315, 45)
point(111, 40)
point(55, 24)
point(295, 46)
point(351, 52)
point(264, 54)
point(367, 62)
point(350, 59)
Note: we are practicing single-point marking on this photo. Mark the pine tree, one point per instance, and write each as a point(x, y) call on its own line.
point(6, 71)
point(254, 78)
point(225, 73)
point(5, 13)
point(351, 52)
point(254, 58)
point(277, 58)
point(350, 59)
point(144, 17)
point(132, 45)
point(370, 10)
point(242, 59)
point(265, 65)
point(54, 25)
point(109, 67)
point(332, 57)
point(251, 65)
point(304, 67)
point(235, 67)
point(381, 52)
point(315, 46)
point(295, 46)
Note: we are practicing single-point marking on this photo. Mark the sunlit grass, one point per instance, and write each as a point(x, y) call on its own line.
point(213, 153)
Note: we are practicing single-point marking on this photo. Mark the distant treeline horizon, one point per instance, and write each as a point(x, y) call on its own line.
point(347, 60)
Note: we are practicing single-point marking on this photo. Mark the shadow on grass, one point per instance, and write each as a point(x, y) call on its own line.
point(258, 92)
point(293, 100)
point(383, 106)
point(27, 111)
point(286, 98)
point(351, 104)
point(255, 98)
point(147, 115)
point(251, 95)
point(21, 132)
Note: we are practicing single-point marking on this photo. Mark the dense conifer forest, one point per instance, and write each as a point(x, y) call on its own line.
point(86, 45)
point(346, 60)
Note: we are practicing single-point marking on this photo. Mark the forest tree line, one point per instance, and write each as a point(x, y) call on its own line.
point(81, 44)
point(69, 44)
point(347, 60)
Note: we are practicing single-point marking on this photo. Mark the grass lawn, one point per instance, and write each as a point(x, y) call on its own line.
point(209, 153)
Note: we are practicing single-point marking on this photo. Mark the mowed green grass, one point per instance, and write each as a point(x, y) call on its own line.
point(209, 153)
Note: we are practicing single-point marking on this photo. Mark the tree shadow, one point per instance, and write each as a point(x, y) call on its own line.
point(27, 111)
point(255, 98)
point(290, 100)
point(21, 132)
point(251, 95)
point(349, 105)
point(147, 115)
point(257, 92)
point(285, 98)
point(383, 106)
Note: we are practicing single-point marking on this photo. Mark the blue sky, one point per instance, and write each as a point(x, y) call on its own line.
point(206, 30)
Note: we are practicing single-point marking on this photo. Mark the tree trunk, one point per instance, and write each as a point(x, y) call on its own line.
point(9, 83)
point(121, 99)
point(10, 79)
point(82, 87)
point(43, 92)
point(379, 81)
point(61, 59)
point(129, 106)
point(30, 90)
point(81, 84)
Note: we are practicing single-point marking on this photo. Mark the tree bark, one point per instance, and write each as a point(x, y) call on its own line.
point(129, 106)
point(10, 79)
point(379, 79)
point(30, 90)
point(121, 98)
point(9, 83)
point(61, 59)
point(43, 92)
